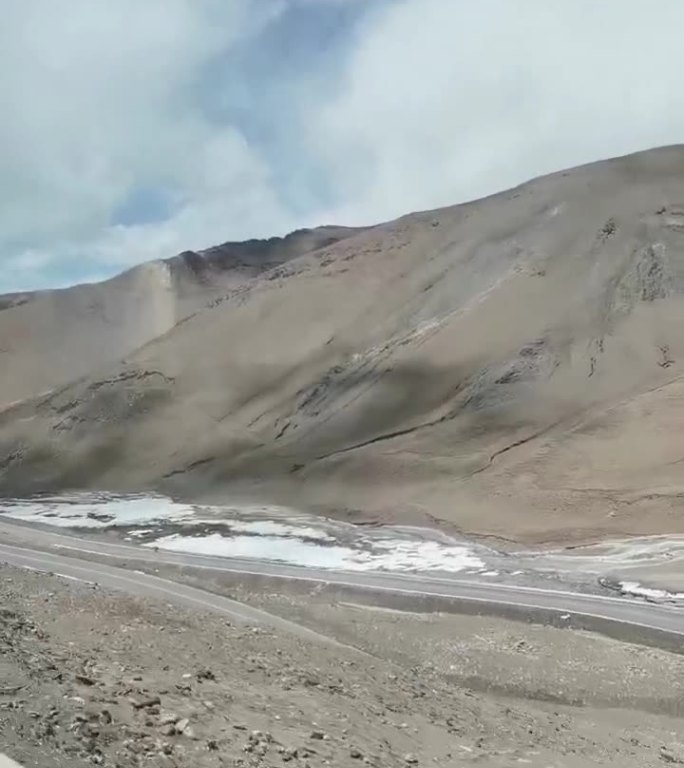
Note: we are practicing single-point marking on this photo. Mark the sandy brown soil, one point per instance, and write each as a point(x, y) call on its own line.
point(90, 677)
point(511, 367)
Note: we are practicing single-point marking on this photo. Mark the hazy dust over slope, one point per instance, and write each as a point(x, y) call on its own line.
point(49, 338)
point(511, 366)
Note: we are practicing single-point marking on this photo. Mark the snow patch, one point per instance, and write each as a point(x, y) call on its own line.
point(635, 589)
point(272, 528)
point(387, 555)
point(93, 511)
point(270, 533)
point(285, 550)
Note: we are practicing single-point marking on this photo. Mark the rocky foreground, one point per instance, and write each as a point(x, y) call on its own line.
point(93, 678)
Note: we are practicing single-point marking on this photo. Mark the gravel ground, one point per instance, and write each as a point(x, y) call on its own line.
point(89, 677)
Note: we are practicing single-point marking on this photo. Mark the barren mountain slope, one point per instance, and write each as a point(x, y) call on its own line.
point(511, 365)
point(49, 338)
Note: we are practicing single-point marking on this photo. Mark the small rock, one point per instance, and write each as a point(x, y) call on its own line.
point(318, 735)
point(151, 702)
point(355, 753)
point(212, 745)
point(667, 756)
point(181, 725)
point(168, 730)
point(84, 680)
point(410, 759)
point(167, 718)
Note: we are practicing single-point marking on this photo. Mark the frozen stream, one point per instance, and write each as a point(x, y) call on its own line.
point(258, 532)
point(648, 568)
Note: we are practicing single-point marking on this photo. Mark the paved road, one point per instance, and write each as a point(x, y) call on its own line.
point(145, 585)
point(66, 555)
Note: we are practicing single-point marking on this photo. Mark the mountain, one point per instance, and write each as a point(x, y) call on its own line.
point(48, 338)
point(510, 367)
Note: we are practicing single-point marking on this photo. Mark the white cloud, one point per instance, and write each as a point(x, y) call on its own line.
point(447, 100)
point(99, 98)
point(438, 101)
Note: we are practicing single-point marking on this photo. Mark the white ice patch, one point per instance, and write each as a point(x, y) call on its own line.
point(388, 555)
point(101, 511)
point(284, 550)
point(635, 589)
point(89, 511)
point(258, 532)
point(645, 550)
point(401, 555)
point(272, 528)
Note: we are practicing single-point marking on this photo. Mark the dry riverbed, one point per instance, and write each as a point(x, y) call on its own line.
point(89, 677)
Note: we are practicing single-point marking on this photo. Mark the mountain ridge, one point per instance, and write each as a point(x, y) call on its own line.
point(91, 324)
point(509, 366)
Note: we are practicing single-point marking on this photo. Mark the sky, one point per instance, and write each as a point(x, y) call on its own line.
point(134, 130)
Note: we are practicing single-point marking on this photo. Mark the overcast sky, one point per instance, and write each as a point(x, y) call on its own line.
point(134, 129)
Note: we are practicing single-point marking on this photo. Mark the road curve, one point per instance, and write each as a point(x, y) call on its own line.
point(145, 585)
point(71, 556)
